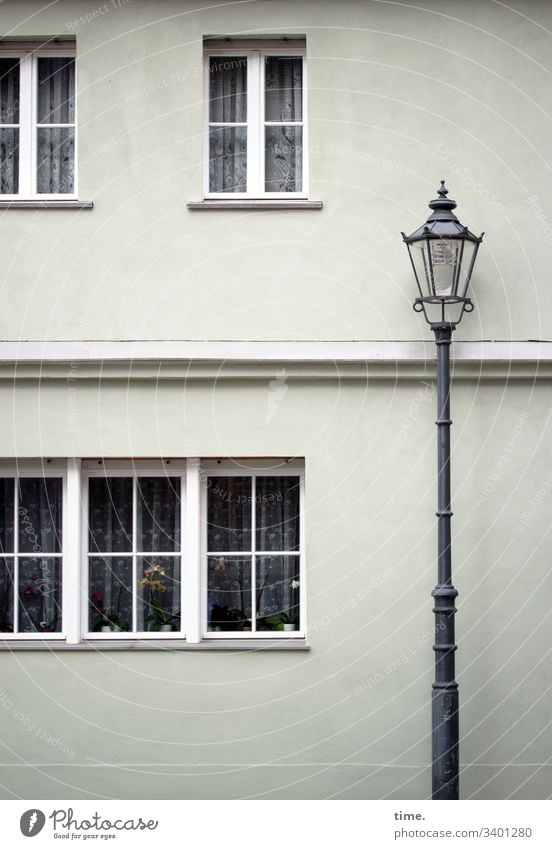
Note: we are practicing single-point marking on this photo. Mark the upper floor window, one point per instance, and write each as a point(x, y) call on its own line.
point(256, 121)
point(37, 121)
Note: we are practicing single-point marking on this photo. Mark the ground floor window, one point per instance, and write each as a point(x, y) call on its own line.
point(152, 549)
point(253, 552)
point(31, 579)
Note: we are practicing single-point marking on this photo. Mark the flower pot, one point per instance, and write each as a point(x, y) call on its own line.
point(290, 626)
point(165, 627)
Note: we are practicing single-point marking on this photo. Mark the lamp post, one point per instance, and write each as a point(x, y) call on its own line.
point(443, 254)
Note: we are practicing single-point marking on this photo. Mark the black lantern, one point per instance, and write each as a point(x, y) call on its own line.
point(443, 254)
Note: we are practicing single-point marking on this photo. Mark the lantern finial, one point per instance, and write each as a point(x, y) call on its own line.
point(442, 202)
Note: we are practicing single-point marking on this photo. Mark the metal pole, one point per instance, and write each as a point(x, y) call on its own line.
point(445, 731)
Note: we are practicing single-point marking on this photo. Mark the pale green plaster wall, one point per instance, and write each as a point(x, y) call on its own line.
point(399, 97)
point(350, 718)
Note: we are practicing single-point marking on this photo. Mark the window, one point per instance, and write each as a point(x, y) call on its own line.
point(31, 535)
point(256, 121)
point(160, 549)
point(253, 551)
point(37, 121)
point(134, 550)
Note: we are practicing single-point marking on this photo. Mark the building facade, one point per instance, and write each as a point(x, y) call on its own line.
point(217, 442)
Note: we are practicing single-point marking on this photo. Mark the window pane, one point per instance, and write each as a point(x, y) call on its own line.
point(283, 159)
point(278, 591)
point(229, 514)
point(159, 590)
point(158, 514)
point(228, 159)
point(7, 496)
point(39, 515)
point(283, 88)
point(56, 161)
point(277, 513)
point(56, 91)
point(110, 594)
point(6, 595)
point(228, 89)
point(110, 514)
point(229, 593)
point(40, 594)
point(9, 162)
point(9, 91)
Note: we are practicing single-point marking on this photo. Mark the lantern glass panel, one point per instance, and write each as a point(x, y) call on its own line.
point(419, 256)
point(445, 256)
point(468, 258)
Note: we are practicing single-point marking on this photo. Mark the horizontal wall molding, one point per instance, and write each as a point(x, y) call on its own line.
point(192, 360)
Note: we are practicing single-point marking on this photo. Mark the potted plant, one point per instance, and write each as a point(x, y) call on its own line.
point(281, 621)
point(6, 626)
point(109, 620)
point(288, 619)
point(48, 625)
point(159, 618)
point(224, 618)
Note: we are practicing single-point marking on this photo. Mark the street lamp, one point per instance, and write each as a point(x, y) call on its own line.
point(443, 254)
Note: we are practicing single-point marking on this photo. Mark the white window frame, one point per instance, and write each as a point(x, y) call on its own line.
point(255, 53)
point(39, 469)
point(254, 468)
point(193, 472)
point(134, 470)
point(28, 55)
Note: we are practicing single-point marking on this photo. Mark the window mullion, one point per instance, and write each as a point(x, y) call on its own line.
point(85, 543)
point(133, 547)
point(191, 569)
point(26, 125)
point(71, 553)
point(16, 556)
point(262, 132)
point(305, 134)
point(302, 570)
point(253, 555)
point(254, 124)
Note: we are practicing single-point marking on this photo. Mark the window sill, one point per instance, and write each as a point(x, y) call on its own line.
point(35, 203)
point(254, 204)
point(156, 645)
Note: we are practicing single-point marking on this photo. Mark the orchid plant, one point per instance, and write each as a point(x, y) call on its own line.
point(153, 581)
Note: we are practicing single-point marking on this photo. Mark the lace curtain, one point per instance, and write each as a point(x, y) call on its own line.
point(283, 144)
point(56, 144)
point(112, 588)
point(228, 105)
point(283, 141)
point(9, 136)
point(232, 602)
point(39, 520)
point(55, 128)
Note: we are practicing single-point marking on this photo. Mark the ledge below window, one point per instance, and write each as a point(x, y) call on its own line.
point(156, 645)
point(46, 204)
point(254, 204)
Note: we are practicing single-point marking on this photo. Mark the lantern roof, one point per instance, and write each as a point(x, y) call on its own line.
point(442, 223)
